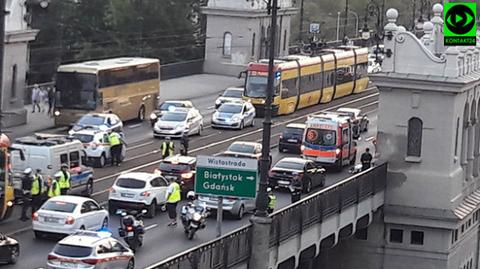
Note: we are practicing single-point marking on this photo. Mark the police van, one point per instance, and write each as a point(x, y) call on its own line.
point(49, 152)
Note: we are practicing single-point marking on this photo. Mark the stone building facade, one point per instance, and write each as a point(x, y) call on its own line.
point(429, 132)
point(16, 62)
point(238, 31)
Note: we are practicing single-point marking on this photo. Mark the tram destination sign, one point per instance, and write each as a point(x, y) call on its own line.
point(226, 176)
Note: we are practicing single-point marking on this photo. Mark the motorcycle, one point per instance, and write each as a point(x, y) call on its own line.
point(132, 228)
point(193, 218)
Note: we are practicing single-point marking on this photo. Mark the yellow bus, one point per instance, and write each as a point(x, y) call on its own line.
point(127, 87)
point(7, 193)
point(302, 81)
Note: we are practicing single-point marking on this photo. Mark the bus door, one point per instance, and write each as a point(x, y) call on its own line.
point(6, 187)
point(346, 144)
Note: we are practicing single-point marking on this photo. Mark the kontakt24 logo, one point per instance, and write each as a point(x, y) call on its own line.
point(460, 24)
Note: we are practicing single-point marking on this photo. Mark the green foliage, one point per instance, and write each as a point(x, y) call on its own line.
point(95, 29)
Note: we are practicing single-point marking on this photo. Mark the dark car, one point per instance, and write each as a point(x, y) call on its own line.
point(167, 106)
point(9, 250)
point(181, 168)
point(291, 138)
point(288, 170)
point(242, 149)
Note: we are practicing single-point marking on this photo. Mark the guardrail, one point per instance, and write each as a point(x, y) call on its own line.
point(234, 248)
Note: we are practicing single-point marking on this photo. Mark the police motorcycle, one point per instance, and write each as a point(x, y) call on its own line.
point(132, 228)
point(193, 216)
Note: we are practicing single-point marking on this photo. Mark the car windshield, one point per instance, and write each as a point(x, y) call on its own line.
point(174, 116)
point(232, 93)
point(72, 251)
point(243, 148)
point(84, 138)
point(169, 167)
point(293, 131)
point(130, 183)
point(289, 165)
point(91, 120)
point(321, 137)
point(230, 108)
point(166, 105)
point(76, 90)
point(59, 206)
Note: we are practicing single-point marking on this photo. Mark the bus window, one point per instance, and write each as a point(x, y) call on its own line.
point(75, 90)
point(74, 159)
point(63, 158)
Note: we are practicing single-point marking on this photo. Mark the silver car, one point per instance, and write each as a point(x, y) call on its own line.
point(234, 115)
point(90, 250)
point(235, 206)
point(230, 94)
point(175, 123)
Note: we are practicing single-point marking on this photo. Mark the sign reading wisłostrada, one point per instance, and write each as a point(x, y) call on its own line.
point(460, 24)
point(226, 176)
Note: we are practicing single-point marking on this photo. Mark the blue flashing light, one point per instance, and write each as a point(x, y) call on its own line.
point(104, 232)
point(278, 74)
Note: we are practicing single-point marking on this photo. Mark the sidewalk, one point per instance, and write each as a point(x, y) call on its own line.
point(35, 122)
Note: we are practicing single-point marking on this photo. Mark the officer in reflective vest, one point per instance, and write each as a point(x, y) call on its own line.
point(272, 201)
point(64, 180)
point(168, 148)
point(37, 190)
point(173, 197)
point(53, 186)
point(115, 147)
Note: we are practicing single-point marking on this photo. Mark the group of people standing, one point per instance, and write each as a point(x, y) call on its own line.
point(35, 190)
point(41, 96)
point(167, 147)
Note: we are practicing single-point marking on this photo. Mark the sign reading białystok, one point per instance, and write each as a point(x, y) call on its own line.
point(226, 176)
point(460, 24)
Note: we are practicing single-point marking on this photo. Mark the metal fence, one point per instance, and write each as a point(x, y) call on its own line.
point(234, 248)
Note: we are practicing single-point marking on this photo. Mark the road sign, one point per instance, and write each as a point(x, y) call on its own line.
point(314, 28)
point(226, 176)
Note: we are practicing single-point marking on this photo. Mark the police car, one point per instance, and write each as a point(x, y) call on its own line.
point(96, 145)
point(102, 121)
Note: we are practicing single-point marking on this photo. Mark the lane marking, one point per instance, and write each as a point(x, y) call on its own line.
point(140, 145)
point(151, 227)
point(134, 125)
point(222, 142)
point(211, 107)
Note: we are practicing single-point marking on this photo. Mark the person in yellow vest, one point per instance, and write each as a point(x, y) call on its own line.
point(53, 187)
point(173, 197)
point(272, 201)
point(115, 147)
point(168, 148)
point(38, 188)
point(64, 180)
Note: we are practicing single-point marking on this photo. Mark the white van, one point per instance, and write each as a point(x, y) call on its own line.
point(49, 152)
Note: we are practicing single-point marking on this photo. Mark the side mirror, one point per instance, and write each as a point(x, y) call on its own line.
point(240, 75)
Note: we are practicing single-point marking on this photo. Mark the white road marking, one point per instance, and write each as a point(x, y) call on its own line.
point(134, 125)
point(211, 107)
point(139, 145)
point(151, 227)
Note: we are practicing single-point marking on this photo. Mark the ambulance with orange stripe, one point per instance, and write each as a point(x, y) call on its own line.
point(328, 140)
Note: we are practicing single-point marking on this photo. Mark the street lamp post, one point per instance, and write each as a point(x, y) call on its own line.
point(373, 9)
point(338, 26)
point(261, 222)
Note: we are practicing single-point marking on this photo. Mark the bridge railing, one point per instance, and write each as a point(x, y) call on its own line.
point(311, 210)
point(234, 248)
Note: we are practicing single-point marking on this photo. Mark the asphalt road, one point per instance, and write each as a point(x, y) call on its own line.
point(143, 155)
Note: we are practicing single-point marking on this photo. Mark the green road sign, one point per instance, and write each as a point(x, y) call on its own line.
point(460, 24)
point(226, 176)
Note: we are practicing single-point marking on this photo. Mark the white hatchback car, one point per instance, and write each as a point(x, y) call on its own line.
point(236, 115)
point(138, 190)
point(66, 214)
point(101, 121)
point(175, 123)
point(96, 145)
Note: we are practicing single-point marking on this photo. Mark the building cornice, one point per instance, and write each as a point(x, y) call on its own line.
point(20, 36)
point(249, 13)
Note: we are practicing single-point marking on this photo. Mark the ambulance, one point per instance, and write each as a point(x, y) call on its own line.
point(328, 140)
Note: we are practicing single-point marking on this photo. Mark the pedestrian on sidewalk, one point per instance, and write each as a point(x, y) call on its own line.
point(50, 100)
point(43, 99)
point(36, 98)
point(366, 159)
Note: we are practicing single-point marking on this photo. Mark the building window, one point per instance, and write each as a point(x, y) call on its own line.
point(13, 90)
point(253, 44)
point(416, 238)
point(414, 146)
point(227, 44)
point(362, 234)
point(454, 236)
point(462, 229)
point(456, 136)
point(284, 40)
point(396, 236)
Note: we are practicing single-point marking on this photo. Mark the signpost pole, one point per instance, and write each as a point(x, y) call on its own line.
point(219, 215)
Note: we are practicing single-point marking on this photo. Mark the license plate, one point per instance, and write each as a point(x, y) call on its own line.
point(130, 234)
point(68, 264)
point(283, 182)
point(292, 140)
point(53, 220)
point(127, 195)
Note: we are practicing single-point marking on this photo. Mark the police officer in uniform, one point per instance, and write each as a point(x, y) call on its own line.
point(366, 159)
point(53, 186)
point(168, 148)
point(115, 147)
point(26, 192)
point(184, 142)
point(272, 201)
point(37, 190)
point(173, 197)
point(64, 180)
